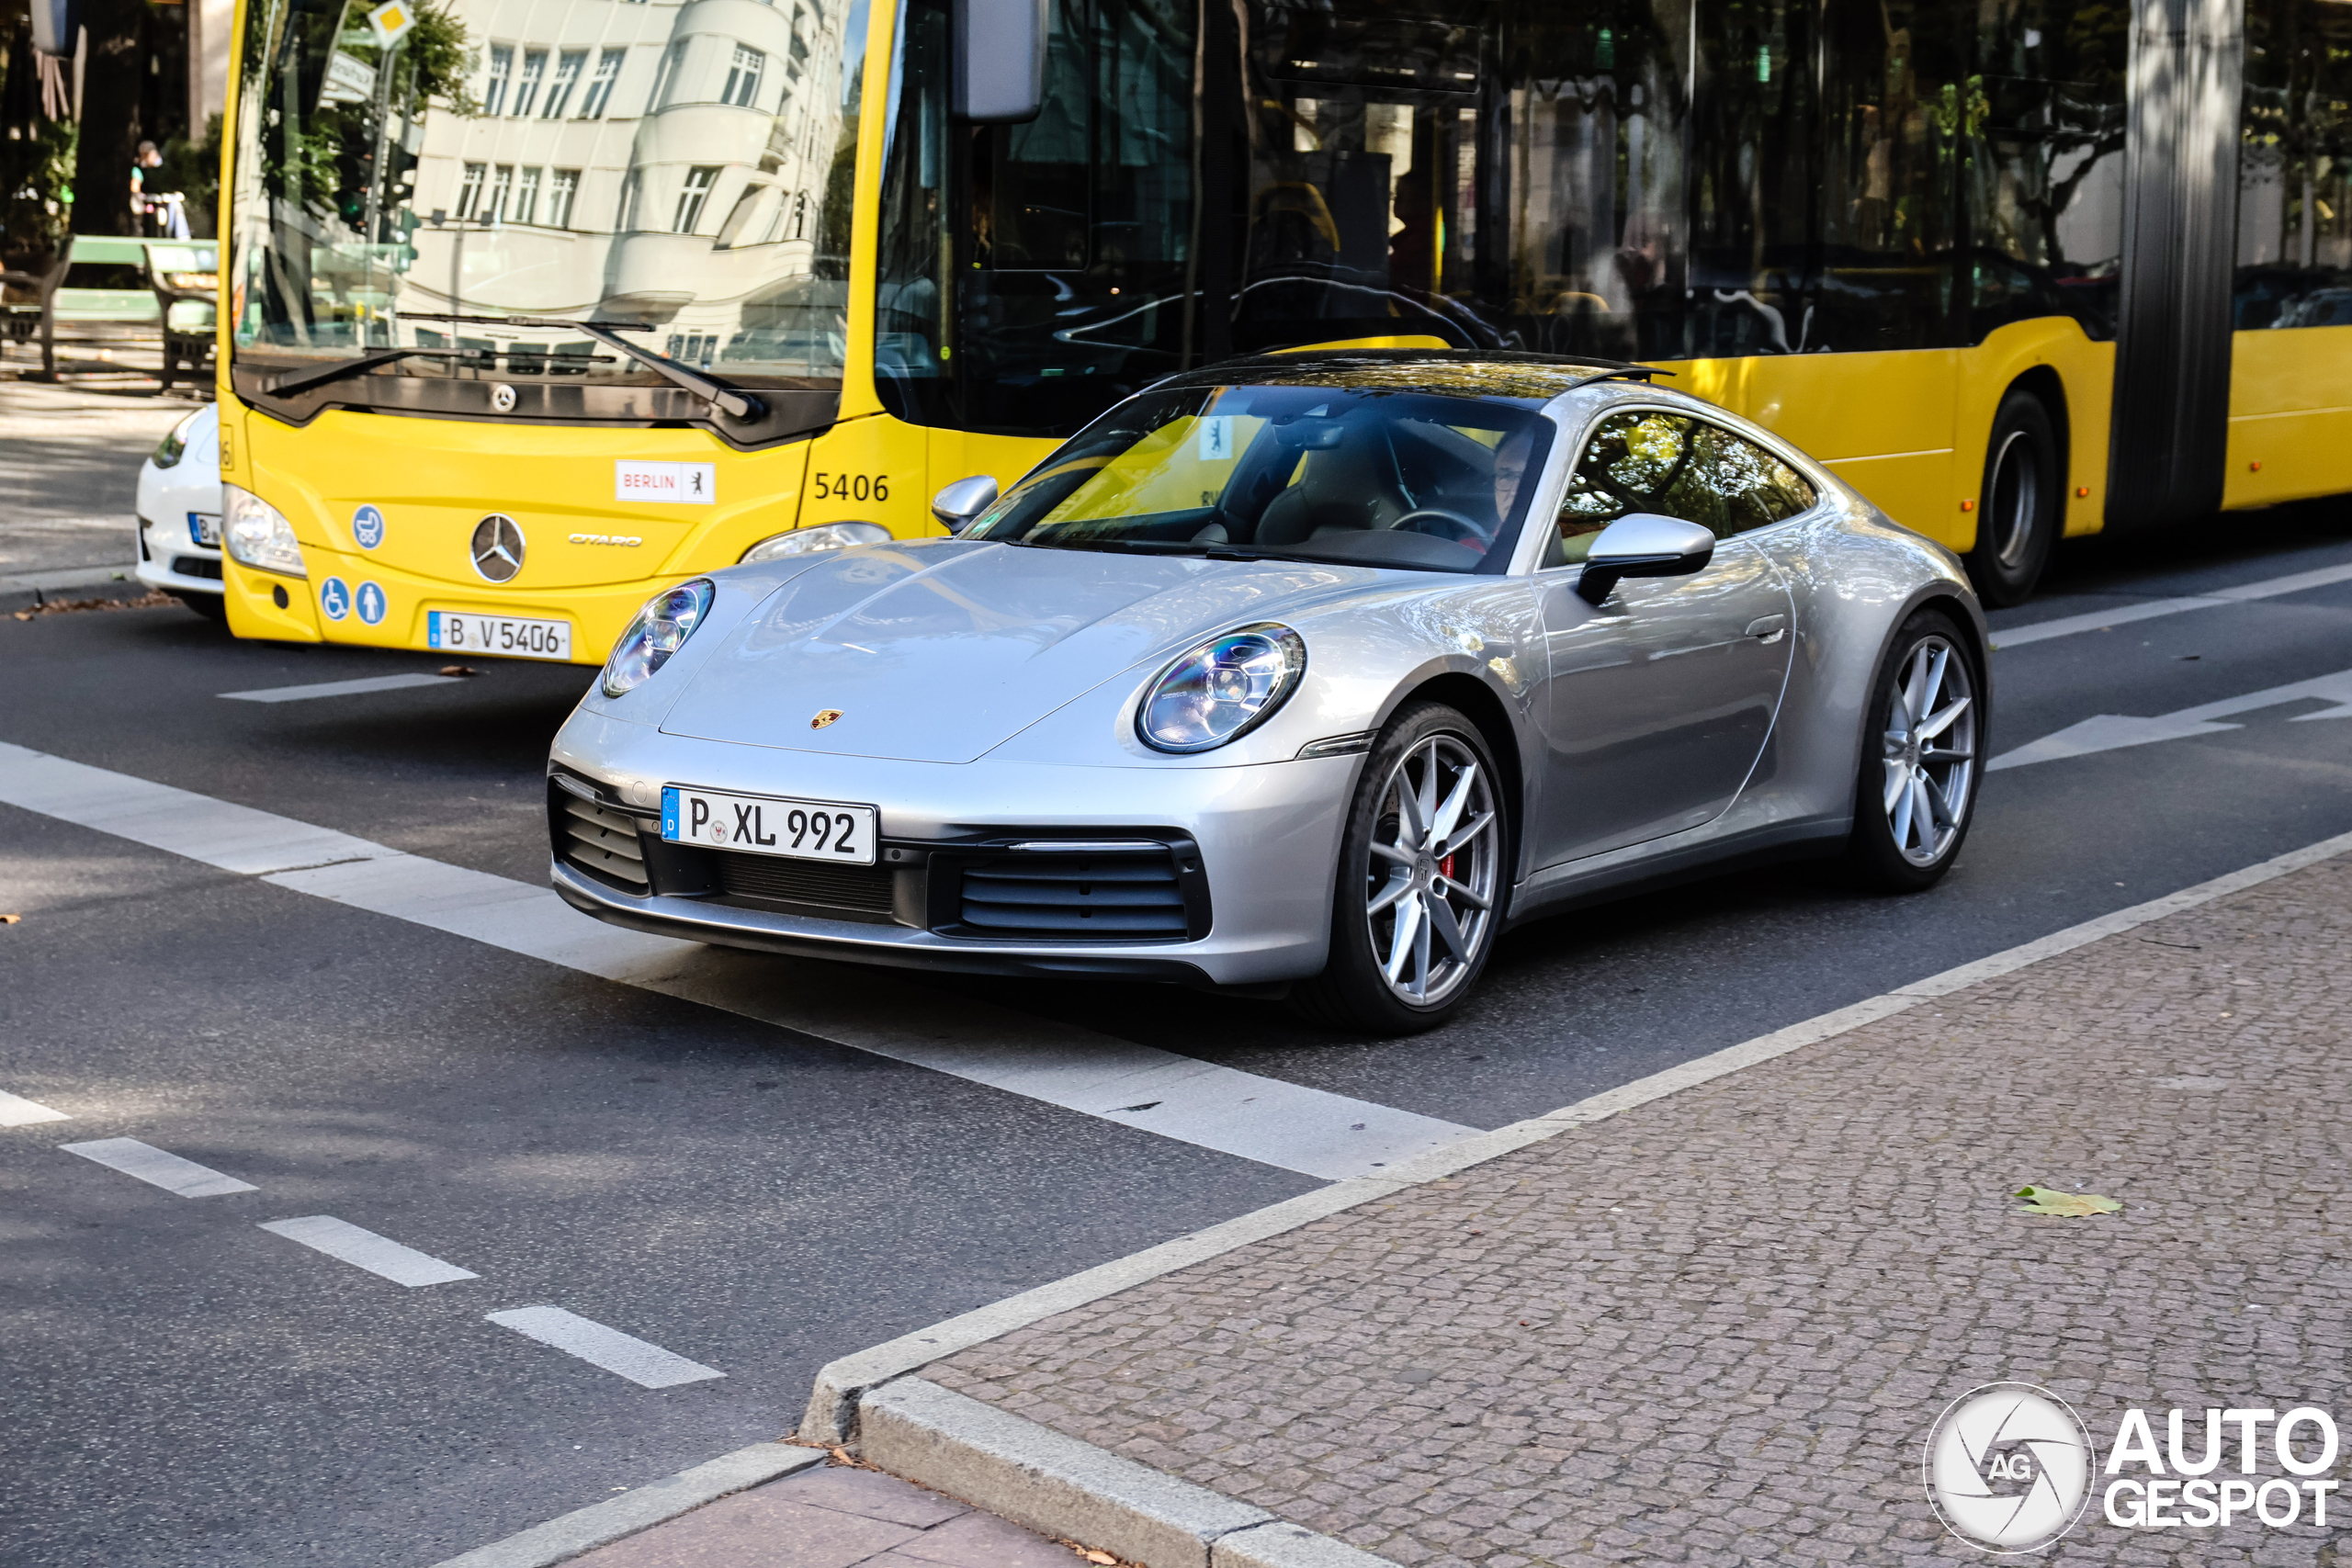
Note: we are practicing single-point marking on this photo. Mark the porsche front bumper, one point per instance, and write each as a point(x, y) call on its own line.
point(1250, 851)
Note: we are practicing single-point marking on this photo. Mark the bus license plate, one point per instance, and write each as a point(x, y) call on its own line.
point(764, 825)
point(511, 637)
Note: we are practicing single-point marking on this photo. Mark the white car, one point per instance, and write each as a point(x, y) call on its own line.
point(179, 513)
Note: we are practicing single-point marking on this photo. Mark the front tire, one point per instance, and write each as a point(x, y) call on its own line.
point(1917, 790)
point(2020, 504)
point(1421, 883)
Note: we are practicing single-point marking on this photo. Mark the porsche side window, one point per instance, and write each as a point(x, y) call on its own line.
point(1648, 460)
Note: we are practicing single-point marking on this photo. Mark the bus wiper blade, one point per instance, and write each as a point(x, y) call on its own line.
point(724, 396)
point(303, 381)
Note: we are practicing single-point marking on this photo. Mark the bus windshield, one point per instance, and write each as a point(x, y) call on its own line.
point(413, 174)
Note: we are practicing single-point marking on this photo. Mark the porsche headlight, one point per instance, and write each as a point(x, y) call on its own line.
point(1221, 690)
point(658, 631)
point(823, 536)
point(258, 534)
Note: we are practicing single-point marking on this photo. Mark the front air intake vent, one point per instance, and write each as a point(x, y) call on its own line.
point(600, 841)
point(1116, 896)
point(804, 886)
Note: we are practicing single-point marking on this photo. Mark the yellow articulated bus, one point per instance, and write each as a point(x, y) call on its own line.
point(538, 305)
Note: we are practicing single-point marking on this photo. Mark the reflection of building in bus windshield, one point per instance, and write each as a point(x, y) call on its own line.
point(655, 164)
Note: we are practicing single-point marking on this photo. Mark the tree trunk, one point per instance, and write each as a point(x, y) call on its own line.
point(112, 83)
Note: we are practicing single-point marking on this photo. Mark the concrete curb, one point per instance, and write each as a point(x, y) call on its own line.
point(1050, 1481)
point(601, 1523)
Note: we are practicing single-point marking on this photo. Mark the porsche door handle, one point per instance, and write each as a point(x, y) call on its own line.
point(1768, 628)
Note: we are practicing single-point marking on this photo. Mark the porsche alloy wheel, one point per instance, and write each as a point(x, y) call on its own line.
point(1920, 763)
point(1420, 881)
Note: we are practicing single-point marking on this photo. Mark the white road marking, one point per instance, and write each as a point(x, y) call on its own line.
point(342, 688)
point(648, 1366)
point(159, 1168)
point(16, 1110)
point(366, 1249)
point(2149, 609)
point(1262, 1119)
point(2110, 731)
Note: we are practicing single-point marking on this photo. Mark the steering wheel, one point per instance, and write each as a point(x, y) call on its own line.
point(1437, 523)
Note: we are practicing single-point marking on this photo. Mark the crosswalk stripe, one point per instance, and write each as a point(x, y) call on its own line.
point(1275, 1122)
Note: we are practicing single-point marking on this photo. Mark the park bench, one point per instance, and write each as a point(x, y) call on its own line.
point(115, 280)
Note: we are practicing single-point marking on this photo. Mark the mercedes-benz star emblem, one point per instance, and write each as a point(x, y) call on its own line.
point(824, 718)
point(502, 398)
point(497, 548)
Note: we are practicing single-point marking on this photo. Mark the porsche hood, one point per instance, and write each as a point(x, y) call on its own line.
point(941, 652)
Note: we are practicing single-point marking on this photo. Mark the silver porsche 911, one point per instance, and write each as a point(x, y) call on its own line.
point(1306, 674)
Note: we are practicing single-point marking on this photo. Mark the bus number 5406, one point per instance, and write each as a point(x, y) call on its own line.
point(853, 487)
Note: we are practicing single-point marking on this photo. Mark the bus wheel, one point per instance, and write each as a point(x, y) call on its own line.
point(2021, 498)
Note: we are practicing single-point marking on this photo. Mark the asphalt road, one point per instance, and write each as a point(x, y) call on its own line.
point(185, 1388)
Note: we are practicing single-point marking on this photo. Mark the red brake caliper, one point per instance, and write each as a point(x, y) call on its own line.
point(1445, 868)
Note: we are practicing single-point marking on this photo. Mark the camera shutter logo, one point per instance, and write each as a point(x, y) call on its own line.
point(2008, 1467)
point(497, 548)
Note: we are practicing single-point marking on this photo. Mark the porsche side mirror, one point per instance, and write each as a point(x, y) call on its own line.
point(960, 503)
point(1643, 544)
point(999, 60)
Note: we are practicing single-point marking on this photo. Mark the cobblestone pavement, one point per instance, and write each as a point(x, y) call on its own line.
point(1717, 1328)
point(835, 1517)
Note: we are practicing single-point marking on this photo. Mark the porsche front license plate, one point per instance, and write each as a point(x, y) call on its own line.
point(764, 825)
point(453, 631)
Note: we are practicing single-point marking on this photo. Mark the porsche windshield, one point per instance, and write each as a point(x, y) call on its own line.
point(1383, 479)
point(410, 175)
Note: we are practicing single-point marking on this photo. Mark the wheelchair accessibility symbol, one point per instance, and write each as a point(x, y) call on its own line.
point(335, 598)
point(372, 603)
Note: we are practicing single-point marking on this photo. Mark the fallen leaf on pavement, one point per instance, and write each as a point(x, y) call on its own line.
point(2066, 1205)
point(459, 669)
point(10, 920)
point(1100, 1557)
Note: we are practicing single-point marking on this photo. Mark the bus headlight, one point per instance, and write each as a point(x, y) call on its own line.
point(823, 536)
point(1221, 690)
point(660, 630)
point(258, 534)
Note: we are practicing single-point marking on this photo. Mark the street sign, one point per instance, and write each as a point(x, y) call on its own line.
point(390, 21)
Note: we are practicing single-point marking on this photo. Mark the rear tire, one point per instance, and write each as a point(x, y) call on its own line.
point(2019, 508)
point(1422, 880)
point(1920, 763)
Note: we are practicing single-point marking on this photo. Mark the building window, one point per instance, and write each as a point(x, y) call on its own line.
point(563, 186)
point(692, 194)
point(600, 87)
point(469, 191)
point(744, 77)
point(502, 181)
point(502, 66)
point(526, 196)
point(665, 79)
point(567, 66)
point(534, 65)
point(632, 198)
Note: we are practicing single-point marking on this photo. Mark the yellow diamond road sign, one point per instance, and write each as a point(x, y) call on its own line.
point(390, 21)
